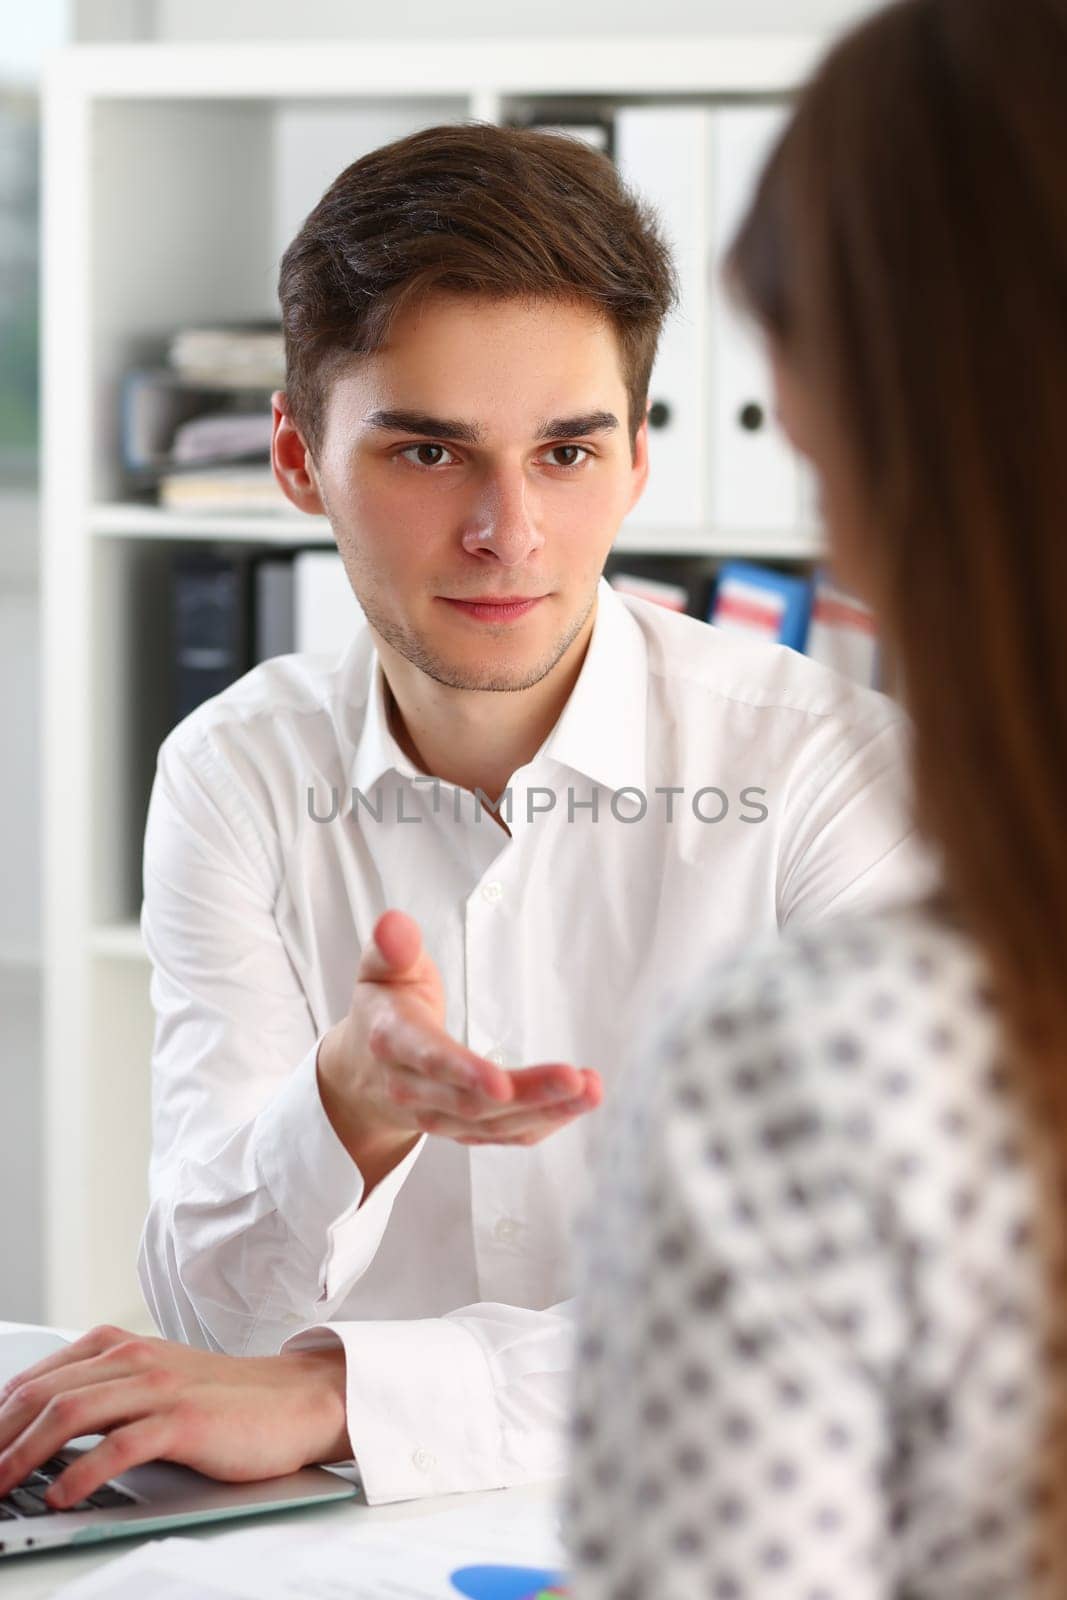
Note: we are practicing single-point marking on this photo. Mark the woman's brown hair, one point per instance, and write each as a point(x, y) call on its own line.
point(474, 209)
point(906, 253)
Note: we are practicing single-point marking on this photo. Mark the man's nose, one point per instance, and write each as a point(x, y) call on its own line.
point(504, 523)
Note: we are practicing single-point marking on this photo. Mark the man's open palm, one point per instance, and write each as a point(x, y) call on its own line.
point(391, 1071)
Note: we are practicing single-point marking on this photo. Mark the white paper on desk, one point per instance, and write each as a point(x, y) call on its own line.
point(165, 1569)
point(409, 1559)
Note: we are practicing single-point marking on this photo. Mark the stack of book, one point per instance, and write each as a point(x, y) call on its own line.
point(251, 356)
point(197, 430)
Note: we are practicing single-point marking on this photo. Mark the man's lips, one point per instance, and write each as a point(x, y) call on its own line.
point(495, 608)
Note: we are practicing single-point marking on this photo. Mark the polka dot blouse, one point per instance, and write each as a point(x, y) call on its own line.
point(814, 1356)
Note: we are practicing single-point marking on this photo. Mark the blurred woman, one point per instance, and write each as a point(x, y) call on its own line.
point(822, 1350)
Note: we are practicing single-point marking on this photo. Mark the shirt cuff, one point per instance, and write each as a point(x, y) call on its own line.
point(353, 1239)
point(315, 1185)
point(422, 1414)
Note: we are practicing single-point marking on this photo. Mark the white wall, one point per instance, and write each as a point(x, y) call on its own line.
point(21, 1239)
point(111, 21)
point(29, 32)
point(20, 990)
point(325, 19)
point(20, 792)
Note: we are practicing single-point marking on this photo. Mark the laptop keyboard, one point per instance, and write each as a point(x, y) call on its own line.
point(28, 1499)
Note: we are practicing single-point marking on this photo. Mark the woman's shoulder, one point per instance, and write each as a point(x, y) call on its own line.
point(907, 974)
point(878, 1031)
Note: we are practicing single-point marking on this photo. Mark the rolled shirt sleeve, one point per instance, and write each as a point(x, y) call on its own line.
point(255, 1223)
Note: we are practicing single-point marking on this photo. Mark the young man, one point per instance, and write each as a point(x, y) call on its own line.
point(407, 909)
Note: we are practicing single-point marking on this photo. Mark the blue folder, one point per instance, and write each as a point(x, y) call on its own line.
point(796, 593)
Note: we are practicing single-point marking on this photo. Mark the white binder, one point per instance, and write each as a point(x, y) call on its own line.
point(326, 614)
point(843, 634)
point(664, 154)
point(755, 474)
point(273, 609)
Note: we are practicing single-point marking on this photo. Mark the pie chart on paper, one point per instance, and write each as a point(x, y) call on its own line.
point(509, 1583)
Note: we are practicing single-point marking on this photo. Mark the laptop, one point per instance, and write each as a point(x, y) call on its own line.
point(142, 1501)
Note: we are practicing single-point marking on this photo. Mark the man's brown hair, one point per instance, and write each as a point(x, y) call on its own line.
point(475, 209)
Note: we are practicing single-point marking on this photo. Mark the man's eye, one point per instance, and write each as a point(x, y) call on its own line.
point(575, 454)
point(425, 455)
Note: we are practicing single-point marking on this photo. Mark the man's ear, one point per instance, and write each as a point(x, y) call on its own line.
point(291, 460)
point(639, 470)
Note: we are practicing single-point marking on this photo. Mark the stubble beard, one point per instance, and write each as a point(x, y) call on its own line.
point(492, 678)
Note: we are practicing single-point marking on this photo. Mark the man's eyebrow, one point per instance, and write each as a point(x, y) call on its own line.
point(427, 427)
point(571, 427)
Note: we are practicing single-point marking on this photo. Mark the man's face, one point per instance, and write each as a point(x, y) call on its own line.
point(482, 455)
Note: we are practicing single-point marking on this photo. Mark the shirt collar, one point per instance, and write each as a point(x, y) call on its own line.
point(602, 730)
point(600, 733)
point(377, 752)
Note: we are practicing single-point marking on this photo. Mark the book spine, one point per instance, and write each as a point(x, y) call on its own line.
point(274, 627)
point(211, 628)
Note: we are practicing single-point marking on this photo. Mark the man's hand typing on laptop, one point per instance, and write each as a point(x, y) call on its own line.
point(235, 1418)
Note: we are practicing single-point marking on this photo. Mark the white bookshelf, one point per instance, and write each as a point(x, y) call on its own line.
point(173, 175)
point(124, 521)
point(119, 940)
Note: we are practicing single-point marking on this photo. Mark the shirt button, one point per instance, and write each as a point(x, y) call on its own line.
point(506, 1230)
point(424, 1460)
point(492, 891)
point(497, 1057)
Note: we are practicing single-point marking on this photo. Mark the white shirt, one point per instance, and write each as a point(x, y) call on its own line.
point(447, 1286)
point(813, 1339)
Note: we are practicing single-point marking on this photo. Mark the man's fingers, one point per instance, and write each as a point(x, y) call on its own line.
point(74, 1412)
point(395, 947)
point(539, 1085)
point(593, 1088)
point(531, 1124)
point(89, 1345)
point(131, 1446)
point(34, 1390)
point(526, 1127)
point(542, 1120)
point(28, 1393)
point(435, 1085)
point(419, 1093)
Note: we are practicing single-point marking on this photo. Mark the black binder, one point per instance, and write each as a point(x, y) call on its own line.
point(212, 627)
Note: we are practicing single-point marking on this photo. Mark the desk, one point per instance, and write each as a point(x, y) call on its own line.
point(38, 1577)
